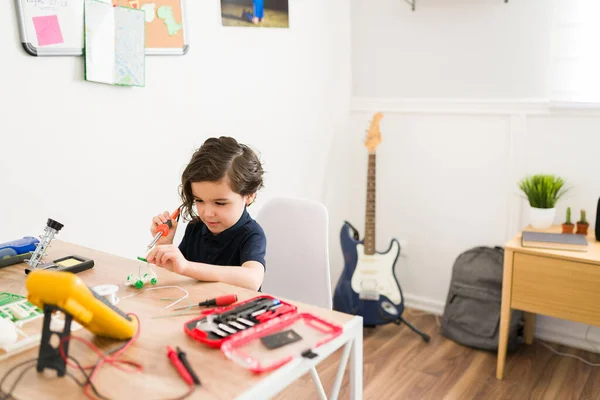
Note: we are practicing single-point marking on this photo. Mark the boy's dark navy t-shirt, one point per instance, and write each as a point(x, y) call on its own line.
point(244, 241)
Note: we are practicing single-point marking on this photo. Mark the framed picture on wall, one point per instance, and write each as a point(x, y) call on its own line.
point(255, 13)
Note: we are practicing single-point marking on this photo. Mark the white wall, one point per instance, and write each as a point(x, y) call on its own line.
point(457, 82)
point(451, 48)
point(103, 160)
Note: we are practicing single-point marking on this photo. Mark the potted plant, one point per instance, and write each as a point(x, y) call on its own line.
point(567, 226)
point(542, 191)
point(582, 224)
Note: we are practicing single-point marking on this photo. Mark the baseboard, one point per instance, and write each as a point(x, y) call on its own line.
point(547, 334)
point(472, 106)
point(565, 338)
point(424, 304)
point(450, 106)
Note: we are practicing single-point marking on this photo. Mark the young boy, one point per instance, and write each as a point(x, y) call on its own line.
point(222, 243)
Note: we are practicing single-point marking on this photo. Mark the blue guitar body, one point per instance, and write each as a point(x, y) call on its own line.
point(368, 286)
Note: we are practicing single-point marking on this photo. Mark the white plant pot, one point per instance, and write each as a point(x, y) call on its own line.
point(541, 218)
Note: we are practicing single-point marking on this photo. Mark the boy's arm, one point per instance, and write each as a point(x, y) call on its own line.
point(249, 275)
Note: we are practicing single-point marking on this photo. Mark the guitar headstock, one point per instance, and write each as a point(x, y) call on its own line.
point(373, 133)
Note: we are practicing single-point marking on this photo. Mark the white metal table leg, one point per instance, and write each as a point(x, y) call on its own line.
point(337, 384)
point(283, 376)
point(318, 384)
point(356, 364)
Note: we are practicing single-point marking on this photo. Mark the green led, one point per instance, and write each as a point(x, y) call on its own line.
point(153, 281)
point(142, 259)
point(139, 284)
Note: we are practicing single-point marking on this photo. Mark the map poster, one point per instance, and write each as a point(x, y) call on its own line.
point(114, 44)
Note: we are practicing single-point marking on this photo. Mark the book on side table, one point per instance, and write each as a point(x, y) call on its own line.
point(555, 241)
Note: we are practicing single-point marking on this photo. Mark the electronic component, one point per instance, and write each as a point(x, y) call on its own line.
point(69, 293)
point(140, 280)
point(17, 309)
point(18, 312)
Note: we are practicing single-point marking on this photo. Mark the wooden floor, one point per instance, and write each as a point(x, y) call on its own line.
point(398, 364)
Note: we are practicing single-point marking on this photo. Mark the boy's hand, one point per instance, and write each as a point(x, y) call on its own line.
point(162, 219)
point(168, 256)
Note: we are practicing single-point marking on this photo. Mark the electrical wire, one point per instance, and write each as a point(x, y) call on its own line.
point(8, 395)
point(108, 357)
point(163, 287)
point(88, 381)
point(176, 287)
point(552, 349)
point(590, 342)
point(103, 357)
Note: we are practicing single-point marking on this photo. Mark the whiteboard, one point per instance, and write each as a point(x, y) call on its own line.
point(58, 24)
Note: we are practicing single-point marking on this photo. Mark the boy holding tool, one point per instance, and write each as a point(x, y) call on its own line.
point(222, 243)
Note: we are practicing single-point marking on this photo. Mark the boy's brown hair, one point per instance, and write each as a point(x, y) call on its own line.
point(215, 159)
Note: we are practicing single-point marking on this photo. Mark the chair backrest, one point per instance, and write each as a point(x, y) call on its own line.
point(297, 250)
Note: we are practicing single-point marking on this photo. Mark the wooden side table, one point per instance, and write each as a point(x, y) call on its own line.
point(557, 283)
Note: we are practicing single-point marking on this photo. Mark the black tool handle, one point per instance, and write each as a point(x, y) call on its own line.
point(183, 357)
point(248, 308)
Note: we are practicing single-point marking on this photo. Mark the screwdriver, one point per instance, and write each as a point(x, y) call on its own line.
point(163, 229)
point(217, 301)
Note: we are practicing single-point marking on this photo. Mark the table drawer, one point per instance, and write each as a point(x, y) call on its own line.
point(558, 288)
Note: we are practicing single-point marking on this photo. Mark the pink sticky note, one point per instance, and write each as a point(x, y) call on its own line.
point(47, 30)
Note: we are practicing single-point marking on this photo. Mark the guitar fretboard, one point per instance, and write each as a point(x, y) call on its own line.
point(370, 209)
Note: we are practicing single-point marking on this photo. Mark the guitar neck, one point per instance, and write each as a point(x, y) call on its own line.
point(370, 208)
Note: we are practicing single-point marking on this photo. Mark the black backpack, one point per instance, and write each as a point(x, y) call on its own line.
point(472, 312)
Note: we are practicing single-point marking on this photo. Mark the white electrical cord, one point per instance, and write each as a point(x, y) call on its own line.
point(176, 301)
point(568, 355)
point(162, 287)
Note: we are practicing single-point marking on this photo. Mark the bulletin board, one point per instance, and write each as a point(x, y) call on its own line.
point(55, 27)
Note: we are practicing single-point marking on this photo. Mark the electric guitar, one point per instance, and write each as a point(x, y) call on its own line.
point(368, 286)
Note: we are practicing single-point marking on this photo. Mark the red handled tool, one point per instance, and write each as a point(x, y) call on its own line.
point(217, 301)
point(274, 312)
point(183, 358)
point(183, 372)
point(163, 229)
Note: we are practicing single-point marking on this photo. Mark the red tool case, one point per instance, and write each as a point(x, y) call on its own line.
point(266, 340)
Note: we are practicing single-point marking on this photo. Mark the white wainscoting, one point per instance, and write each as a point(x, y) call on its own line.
point(529, 120)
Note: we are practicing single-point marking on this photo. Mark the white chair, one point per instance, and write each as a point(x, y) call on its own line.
point(298, 262)
point(297, 250)
point(298, 259)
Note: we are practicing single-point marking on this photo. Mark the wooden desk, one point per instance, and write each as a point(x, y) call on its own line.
point(220, 377)
point(561, 284)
